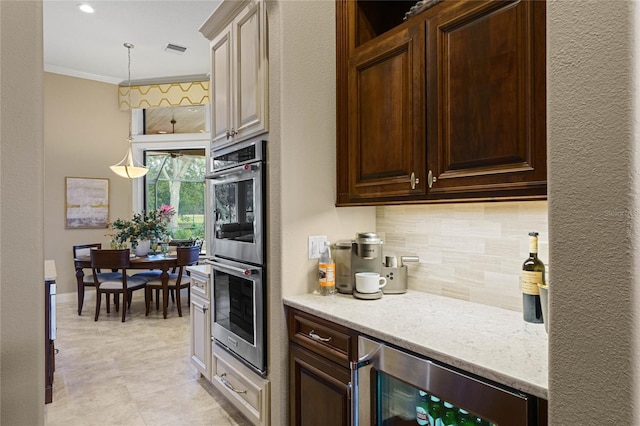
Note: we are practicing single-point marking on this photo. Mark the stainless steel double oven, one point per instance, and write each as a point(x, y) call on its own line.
point(237, 241)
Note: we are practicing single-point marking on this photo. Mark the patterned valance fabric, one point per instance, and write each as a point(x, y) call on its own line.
point(164, 95)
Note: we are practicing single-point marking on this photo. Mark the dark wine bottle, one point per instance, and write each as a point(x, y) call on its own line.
point(532, 277)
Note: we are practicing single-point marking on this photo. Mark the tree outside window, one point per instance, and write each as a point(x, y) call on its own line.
point(176, 178)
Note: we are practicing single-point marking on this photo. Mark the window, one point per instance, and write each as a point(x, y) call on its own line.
point(176, 178)
point(170, 120)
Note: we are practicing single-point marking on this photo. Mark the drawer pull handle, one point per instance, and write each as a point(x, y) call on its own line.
point(314, 336)
point(229, 385)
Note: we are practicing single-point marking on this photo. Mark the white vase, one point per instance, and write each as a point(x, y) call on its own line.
point(142, 248)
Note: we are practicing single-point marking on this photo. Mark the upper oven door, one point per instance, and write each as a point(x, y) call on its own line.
point(237, 209)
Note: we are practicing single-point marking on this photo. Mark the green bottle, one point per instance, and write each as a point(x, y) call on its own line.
point(435, 411)
point(450, 417)
point(422, 408)
point(465, 419)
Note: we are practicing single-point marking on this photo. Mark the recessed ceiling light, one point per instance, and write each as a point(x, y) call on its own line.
point(86, 8)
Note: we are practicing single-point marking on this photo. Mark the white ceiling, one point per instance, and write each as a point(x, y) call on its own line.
point(91, 45)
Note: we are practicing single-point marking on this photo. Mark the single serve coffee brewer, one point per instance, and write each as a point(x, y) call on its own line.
point(365, 254)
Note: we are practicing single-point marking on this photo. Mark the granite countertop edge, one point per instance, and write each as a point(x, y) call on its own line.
point(490, 342)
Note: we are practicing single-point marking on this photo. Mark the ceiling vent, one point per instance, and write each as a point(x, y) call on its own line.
point(170, 47)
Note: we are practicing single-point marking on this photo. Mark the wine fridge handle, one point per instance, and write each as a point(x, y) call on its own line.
point(355, 366)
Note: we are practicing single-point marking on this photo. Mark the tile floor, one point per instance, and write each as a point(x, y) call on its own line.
point(132, 373)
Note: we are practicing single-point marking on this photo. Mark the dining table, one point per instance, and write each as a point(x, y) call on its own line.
point(162, 262)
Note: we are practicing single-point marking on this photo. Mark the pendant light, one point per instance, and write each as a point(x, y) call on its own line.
point(127, 168)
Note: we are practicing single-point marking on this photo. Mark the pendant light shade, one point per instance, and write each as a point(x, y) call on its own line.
point(127, 168)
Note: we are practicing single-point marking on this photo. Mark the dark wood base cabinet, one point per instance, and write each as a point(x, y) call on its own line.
point(49, 348)
point(319, 390)
point(319, 375)
point(447, 105)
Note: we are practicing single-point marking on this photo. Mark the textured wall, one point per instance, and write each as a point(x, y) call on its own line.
point(21, 215)
point(592, 134)
point(302, 165)
point(467, 251)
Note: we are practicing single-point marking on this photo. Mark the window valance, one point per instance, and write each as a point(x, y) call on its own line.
point(164, 95)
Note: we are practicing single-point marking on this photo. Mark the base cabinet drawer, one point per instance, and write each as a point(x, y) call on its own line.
point(245, 389)
point(332, 341)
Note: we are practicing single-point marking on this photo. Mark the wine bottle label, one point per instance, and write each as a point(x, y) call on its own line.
point(533, 244)
point(327, 274)
point(530, 281)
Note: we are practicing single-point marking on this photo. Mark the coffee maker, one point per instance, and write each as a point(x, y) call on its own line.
point(365, 254)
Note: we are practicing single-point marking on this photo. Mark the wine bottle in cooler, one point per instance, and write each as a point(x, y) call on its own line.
point(531, 279)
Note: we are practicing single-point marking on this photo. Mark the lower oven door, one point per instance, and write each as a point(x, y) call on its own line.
point(238, 317)
point(394, 387)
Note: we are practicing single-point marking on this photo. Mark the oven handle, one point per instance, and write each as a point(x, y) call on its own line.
point(236, 170)
point(369, 358)
point(232, 269)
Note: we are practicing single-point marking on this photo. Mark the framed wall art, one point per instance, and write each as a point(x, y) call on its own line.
point(86, 202)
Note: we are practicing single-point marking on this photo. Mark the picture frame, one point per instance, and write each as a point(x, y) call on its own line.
point(86, 203)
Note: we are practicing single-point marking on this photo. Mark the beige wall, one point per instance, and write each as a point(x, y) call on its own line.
point(302, 164)
point(593, 203)
point(85, 133)
point(21, 215)
point(470, 251)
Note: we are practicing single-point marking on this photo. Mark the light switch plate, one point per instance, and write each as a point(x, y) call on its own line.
point(316, 242)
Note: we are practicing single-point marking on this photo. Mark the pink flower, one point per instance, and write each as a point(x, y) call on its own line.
point(166, 211)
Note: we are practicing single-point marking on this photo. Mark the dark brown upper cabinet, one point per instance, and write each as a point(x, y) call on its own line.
point(448, 105)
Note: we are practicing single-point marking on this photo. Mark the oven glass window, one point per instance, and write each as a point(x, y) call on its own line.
point(234, 305)
point(234, 211)
point(403, 404)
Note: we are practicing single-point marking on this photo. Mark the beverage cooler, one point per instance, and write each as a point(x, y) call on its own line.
point(397, 388)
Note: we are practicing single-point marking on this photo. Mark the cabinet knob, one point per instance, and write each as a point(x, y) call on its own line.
point(414, 180)
point(231, 133)
point(431, 179)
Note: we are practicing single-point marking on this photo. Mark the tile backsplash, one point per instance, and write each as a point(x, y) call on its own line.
point(470, 251)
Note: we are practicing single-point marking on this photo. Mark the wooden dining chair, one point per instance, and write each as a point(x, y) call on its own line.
point(186, 256)
point(123, 284)
point(87, 279)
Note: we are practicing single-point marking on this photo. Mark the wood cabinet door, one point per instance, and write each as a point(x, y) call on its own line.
point(221, 87)
point(250, 73)
point(201, 336)
point(486, 112)
point(318, 389)
point(385, 158)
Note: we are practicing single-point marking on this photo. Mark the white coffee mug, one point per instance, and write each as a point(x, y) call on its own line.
point(369, 282)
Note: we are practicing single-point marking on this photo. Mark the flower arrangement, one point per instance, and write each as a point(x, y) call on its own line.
point(152, 226)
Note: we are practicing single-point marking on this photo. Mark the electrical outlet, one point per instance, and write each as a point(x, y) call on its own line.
point(315, 244)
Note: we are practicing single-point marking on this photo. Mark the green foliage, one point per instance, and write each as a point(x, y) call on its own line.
point(152, 226)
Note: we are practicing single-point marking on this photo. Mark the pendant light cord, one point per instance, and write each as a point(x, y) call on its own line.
point(129, 46)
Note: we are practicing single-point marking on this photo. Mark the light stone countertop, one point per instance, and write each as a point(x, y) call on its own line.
point(490, 342)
